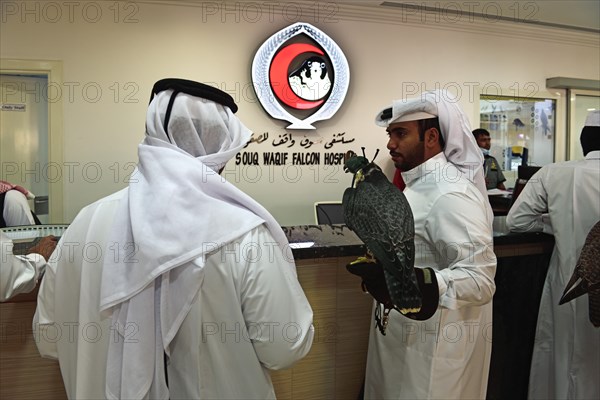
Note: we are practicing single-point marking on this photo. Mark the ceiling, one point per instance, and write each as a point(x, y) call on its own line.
point(582, 15)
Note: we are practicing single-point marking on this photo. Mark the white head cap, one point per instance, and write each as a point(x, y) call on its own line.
point(460, 148)
point(405, 110)
point(593, 118)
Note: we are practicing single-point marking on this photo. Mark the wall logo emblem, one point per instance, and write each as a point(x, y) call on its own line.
point(300, 75)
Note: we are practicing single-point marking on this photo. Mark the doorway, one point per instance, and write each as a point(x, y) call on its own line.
point(31, 137)
point(582, 102)
point(24, 136)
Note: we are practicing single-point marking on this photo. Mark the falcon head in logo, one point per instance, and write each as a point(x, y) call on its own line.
point(311, 81)
point(303, 75)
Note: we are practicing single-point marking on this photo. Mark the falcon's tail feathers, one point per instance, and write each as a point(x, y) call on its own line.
point(575, 288)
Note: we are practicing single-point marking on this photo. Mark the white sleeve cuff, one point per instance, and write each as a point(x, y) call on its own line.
point(39, 261)
point(442, 285)
point(546, 224)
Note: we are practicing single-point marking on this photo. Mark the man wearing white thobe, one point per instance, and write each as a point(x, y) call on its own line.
point(446, 356)
point(563, 199)
point(180, 286)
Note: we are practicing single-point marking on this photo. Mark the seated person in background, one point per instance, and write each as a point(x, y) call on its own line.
point(19, 274)
point(494, 178)
point(14, 206)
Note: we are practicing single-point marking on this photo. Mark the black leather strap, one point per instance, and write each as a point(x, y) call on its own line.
point(195, 89)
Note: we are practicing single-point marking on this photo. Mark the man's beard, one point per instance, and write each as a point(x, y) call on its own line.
point(412, 162)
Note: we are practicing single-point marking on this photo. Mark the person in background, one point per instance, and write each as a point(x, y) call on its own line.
point(431, 143)
point(193, 289)
point(14, 206)
point(494, 178)
point(20, 273)
point(563, 199)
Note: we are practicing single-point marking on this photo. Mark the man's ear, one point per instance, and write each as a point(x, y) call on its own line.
point(432, 137)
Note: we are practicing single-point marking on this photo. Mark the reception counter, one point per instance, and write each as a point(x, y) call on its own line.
point(334, 368)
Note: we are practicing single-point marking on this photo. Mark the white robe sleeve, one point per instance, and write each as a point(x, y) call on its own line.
point(273, 300)
point(44, 313)
point(530, 211)
point(459, 228)
point(18, 274)
point(16, 209)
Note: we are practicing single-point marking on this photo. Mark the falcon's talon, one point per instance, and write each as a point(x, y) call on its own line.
point(360, 260)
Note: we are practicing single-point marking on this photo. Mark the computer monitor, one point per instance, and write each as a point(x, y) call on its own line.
point(515, 156)
point(329, 212)
point(524, 156)
point(527, 171)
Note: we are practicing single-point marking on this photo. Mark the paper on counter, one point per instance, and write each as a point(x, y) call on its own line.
point(498, 192)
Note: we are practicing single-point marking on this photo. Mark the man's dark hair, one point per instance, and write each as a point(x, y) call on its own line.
point(480, 132)
point(590, 139)
point(426, 124)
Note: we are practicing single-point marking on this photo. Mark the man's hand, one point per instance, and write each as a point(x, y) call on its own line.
point(45, 247)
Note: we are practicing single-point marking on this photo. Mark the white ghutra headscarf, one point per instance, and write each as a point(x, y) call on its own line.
point(460, 146)
point(176, 211)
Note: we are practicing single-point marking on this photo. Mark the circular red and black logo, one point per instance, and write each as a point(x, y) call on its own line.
point(299, 76)
point(299, 72)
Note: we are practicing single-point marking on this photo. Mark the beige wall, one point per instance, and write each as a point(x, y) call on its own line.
point(125, 49)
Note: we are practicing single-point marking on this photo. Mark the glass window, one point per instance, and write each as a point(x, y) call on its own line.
point(522, 129)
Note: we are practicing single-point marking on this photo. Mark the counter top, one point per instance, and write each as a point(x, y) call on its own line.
point(322, 241)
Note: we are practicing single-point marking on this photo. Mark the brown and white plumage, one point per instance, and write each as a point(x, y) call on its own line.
point(586, 276)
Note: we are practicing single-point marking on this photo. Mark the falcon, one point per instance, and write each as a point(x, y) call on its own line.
point(587, 275)
point(378, 212)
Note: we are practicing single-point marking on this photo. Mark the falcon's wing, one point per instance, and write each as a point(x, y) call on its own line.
point(586, 276)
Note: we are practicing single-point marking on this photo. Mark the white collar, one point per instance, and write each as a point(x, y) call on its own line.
point(435, 163)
